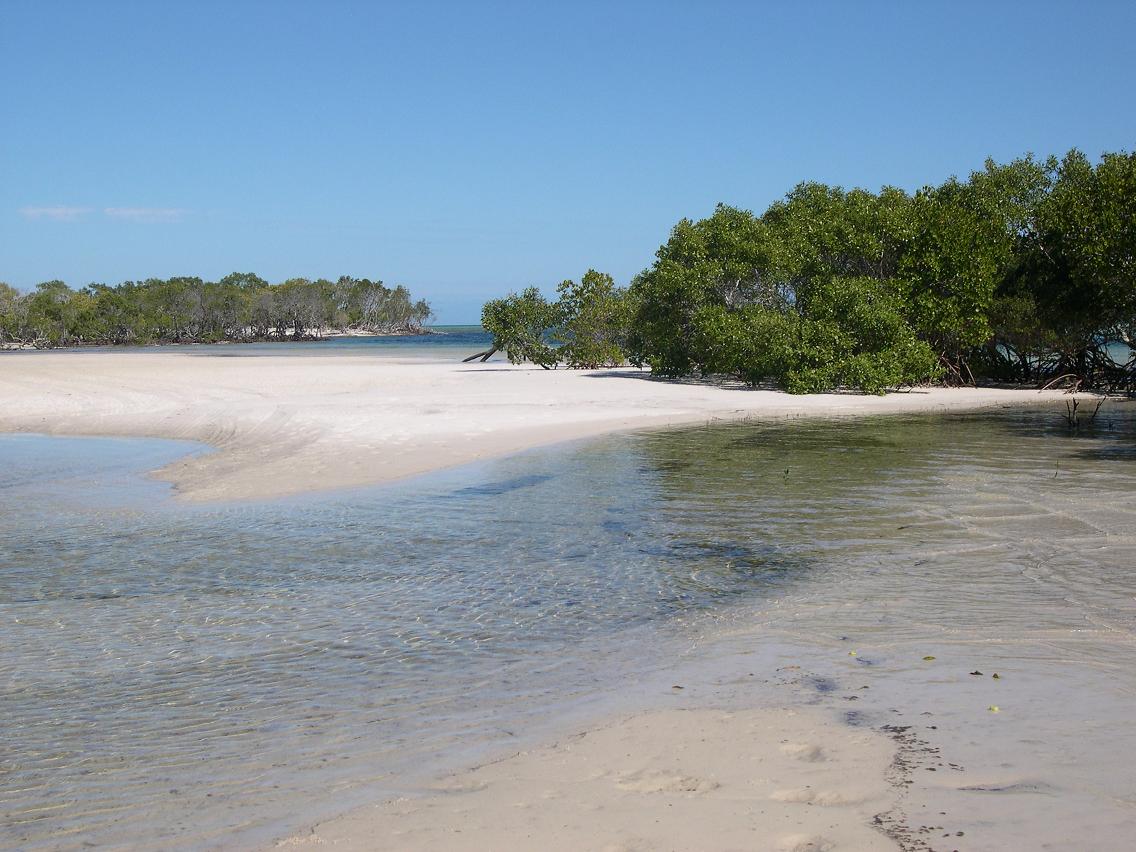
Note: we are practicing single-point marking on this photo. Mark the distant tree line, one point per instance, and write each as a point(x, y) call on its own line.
point(1023, 273)
point(239, 307)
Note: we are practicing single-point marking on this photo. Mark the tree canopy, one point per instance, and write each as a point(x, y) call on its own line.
point(1023, 272)
point(586, 327)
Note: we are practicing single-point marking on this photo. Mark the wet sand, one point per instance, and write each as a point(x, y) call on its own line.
point(289, 425)
point(699, 779)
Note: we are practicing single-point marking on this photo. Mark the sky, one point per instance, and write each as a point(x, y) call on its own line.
point(470, 149)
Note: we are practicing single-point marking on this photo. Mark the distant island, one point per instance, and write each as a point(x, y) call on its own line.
point(241, 307)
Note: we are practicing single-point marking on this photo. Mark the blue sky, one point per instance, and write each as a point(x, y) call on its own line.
point(467, 149)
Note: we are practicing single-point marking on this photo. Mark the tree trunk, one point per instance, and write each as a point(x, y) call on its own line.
point(484, 356)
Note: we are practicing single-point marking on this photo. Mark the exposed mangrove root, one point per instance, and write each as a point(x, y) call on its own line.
point(1074, 419)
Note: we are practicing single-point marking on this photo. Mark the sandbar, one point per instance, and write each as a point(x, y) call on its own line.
point(287, 425)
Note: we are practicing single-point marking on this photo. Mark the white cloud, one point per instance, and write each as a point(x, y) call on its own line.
point(56, 214)
point(145, 214)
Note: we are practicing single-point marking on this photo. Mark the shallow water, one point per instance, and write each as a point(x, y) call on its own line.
point(187, 676)
point(445, 343)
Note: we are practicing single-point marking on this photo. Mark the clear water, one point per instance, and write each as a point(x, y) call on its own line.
point(194, 676)
point(444, 343)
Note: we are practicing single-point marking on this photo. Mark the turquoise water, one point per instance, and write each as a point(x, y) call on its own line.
point(197, 675)
point(444, 343)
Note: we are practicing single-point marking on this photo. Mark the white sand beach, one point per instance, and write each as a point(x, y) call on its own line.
point(283, 425)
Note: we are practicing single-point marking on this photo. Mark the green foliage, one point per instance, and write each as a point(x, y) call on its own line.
point(521, 326)
point(963, 247)
point(720, 261)
point(1017, 350)
point(12, 313)
point(241, 306)
point(1075, 269)
point(804, 296)
point(1081, 259)
point(1021, 271)
point(593, 322)
point(851, 334)
point(821, 232)
point(754, 343)
point(585, 328)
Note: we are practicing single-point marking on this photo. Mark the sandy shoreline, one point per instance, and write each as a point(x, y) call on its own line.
point(783, 780)
point(747, 748)
point(717, 764)
point(284, 425)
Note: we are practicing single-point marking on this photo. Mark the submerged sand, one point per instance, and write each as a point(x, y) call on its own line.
point(283, 425)
point(699, 779)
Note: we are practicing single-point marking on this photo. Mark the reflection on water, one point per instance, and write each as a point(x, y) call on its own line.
point(184, 675)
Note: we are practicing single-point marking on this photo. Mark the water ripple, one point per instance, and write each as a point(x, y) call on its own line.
point(175, 675)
